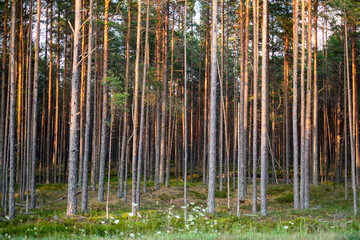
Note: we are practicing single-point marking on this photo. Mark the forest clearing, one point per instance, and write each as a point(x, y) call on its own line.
point(179, 119)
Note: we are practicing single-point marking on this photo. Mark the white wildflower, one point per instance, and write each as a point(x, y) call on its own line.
point(286, 227)
point(177, 216)
point(132, 235)
point(116, 221)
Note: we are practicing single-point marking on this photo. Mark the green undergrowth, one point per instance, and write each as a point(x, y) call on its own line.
point(162, 217)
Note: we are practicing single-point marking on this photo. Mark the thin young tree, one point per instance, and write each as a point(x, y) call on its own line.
point(74, 117)
point(212, 120)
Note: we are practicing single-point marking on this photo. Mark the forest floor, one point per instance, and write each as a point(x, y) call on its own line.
point(161, 215)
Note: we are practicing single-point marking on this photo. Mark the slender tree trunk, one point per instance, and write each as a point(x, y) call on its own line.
point(49, 118)
point(212, 122)
point(185, 115)
point(142, 107)
point(12, 113)
point(355, 104)
point(74, 118)
point(264, 112)
point(134, 206)
point(125, 125)
point(3, 89)
point(308, 113)
point(164, 99)
point(303, 101)
point(351, 126)
point(103, 150)
point(109, 164)
point(84, 195)
point(315, 148)
point(34, 109)
point(157, 60)
point(221, 78)
point(255, 107)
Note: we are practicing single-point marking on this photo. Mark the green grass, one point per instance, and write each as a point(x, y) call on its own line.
point(162, 216)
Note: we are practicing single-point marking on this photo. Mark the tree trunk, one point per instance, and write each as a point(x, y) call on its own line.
point(264, 112)
point(74, 117)
point(315, 149)
point(34, 109)
point(255, 106)
point(12, 113)
point(125, 125)
point(3, 88)
point(142, 107)
point(351, 126)
point(84, 195)
point(303, 101)
point(185, 116)
point(103, 150)
point(307, 150)
point(212, 122)
point(134, 206)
